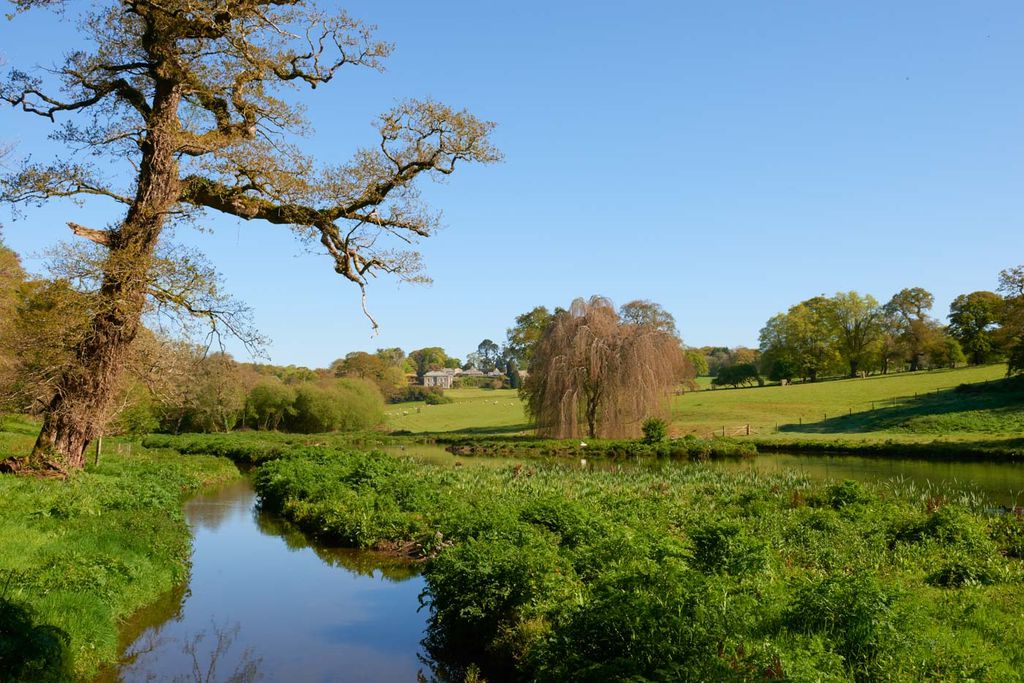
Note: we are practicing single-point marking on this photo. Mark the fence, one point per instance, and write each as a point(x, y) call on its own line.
point(868, 406)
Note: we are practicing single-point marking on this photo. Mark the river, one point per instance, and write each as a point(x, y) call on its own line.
point(265, 603)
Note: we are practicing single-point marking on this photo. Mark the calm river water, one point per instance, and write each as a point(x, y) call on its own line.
point(264, 603)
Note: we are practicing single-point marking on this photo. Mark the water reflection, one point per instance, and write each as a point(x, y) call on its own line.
point(265, 602)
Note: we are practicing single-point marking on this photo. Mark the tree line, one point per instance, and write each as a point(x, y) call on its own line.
point(853, 334)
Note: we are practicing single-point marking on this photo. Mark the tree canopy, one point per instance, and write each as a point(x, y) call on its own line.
point(193, 103)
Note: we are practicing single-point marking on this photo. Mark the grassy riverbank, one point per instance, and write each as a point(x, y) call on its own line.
point(688, 573)
point(85, 553)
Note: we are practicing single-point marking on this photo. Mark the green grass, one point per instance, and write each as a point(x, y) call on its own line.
point(687, 573)
point(764, 407)
point(905, 407)
point(480, 411)
point(87, 552)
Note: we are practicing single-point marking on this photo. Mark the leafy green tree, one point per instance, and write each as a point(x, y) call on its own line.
point(342, 405)
point(512, 374)
point(743, 374)
point(270, 403)
point(522, 338)
point(644, 312)
point(427, 359)
point(699, 362)
point(804, 337)
point(393, 357)
point(946, 352)
point(217, 401)
point(856, 320)
point(917, 331)
point(1011, 286)
point(488, 353)
point(973, 319)
point(191, 107)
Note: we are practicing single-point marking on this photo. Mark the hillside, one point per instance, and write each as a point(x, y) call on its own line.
point(907, 406)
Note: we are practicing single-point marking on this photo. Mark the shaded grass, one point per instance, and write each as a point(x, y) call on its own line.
point(87, 552)
point(689, 573)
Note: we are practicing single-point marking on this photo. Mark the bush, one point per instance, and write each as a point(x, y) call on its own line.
point(655, 430)
point(856, 613)
point(346, 405)
point(437, 398)
point(963, 571)
point(723, 547)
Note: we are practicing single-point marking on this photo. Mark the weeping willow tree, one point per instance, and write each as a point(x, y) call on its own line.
point(593, 374)
point(186, 107)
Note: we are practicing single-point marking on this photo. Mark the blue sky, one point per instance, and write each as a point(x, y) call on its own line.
point(726, 160)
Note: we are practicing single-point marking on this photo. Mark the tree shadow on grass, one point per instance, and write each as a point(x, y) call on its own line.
point(977, 408)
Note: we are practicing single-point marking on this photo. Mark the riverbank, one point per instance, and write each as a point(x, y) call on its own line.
point(689, 572)
point(84, 554)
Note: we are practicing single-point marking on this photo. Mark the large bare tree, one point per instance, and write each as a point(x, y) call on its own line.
point(187, 97)
point(594, 374)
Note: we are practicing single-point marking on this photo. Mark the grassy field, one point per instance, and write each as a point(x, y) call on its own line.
point(912, 407)
point(880, 404)
point(84, 554)
point(475, 411)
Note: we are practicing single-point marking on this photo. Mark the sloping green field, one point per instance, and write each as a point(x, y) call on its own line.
point(920, 406)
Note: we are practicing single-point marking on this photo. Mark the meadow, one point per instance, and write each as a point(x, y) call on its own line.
point(79, 556)
point(904, 407)
point(689, 573)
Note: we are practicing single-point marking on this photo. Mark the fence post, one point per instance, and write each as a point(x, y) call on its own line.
point(801, 419)
point(723, 432)
point(748, 429)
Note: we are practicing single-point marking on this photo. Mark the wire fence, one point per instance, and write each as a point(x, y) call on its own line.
point(860, 407)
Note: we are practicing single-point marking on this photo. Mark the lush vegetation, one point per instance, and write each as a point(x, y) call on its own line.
point(683, 574)
point(79, 556)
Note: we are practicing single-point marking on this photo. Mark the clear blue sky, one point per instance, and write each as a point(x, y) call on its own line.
point(724, 159)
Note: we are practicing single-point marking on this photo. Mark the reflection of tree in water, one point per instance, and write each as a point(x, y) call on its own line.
point(211, 509)
point(361, 562)
point(205, 663)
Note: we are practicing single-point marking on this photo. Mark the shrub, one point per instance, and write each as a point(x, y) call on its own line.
point(1008, 533)
point(437, 398)
point(655, 430)
point(963, 572)
point(849, 492)
point(724, 547)
point(855, 613)
point(345, 405)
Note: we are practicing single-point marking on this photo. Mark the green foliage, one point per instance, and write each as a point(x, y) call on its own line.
point(725, 547)
point(684, 573)
point(31, 652)
point(655, 430)
point(737, 375)
point(859, 614)
point(437, 398)
point(345, 405)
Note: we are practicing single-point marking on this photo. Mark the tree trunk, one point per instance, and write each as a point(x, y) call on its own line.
point(75, 414)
